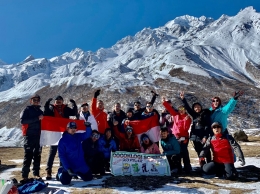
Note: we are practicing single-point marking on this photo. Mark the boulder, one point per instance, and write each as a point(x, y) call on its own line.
point(240, 135)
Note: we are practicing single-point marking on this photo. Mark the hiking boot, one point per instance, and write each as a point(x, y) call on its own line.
point(48, 177)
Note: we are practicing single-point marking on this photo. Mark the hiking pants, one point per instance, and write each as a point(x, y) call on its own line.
point(52, 154)
point(185, 156)
point(96, 163)
point(174, 162)
point(198, 148)
point(65, 178)
point(227, 170)
point(32, 151)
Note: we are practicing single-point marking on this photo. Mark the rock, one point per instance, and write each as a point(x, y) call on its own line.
point(240, 135)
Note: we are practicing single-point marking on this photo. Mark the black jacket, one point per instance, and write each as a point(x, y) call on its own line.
point(30, 115)
point(201, 123)
point(116, 117)
point(67, 111)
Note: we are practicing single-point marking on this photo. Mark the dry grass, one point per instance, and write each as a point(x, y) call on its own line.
point(192, 181)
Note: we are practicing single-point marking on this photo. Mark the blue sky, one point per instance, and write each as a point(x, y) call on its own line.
point(47, 28)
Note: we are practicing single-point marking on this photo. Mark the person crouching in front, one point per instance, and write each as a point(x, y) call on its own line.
point(72, 156)
point(223, 156)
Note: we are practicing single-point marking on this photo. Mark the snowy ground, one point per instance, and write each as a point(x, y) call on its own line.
point(168, 188)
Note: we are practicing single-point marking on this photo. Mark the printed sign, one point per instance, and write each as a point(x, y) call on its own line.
point(137, 164)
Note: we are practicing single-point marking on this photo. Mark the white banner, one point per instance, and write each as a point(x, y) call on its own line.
point(139, 164)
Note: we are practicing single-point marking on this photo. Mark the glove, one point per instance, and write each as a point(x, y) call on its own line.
point(202, 161)
point(72, 101)
point(154, 94)
point(48, 102)
point(71, 173)
point(238, 94)
point(88, 124)
point(50, 99)
point(96, 93)
point(242, 161)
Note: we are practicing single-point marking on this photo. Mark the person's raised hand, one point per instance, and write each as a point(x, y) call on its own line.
point(238, 94)
point(182, 95)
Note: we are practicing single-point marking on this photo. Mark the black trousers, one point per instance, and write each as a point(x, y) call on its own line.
point(174, 162)
point(32, 151)
point(198, 148)
point(96, 163)
point(227, 170)
point(185, 156)
point(52, 154)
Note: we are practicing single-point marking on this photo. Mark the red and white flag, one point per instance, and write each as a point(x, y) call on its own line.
point(53, 127)
point(149, 126)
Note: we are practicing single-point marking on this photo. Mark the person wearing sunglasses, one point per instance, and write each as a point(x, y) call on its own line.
point(138, 110)
point(222, 147)
point(58, 109)
point(128, 141)
point(93, 154)
point(147, 146)
point(72, 156)
point(220, 113)
point(30, 119)
point(180, 130)
point(200, 129)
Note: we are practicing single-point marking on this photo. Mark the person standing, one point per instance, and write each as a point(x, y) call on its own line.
point(31, 118)
point(85, 115)
point(97, 109)
point(58, 109)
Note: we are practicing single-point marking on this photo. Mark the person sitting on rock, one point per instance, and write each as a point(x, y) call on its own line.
point(223, 157)
point(72, 156)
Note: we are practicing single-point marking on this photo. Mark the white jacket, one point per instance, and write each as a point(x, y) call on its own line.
point(91, 119)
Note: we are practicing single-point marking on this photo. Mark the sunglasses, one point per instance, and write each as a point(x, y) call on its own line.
point(145, 138)
point(215, 101)
point(137, 104)
point(181, 108)
point(216, 126)
point(84, 106)
point(73, 128)
point(35, 100)
point(129, 130)
point(96, 136)
point(149, 106)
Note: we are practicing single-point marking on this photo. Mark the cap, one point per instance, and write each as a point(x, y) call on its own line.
point(35, 96)
point(72, 125)
point(58, 98)
point(216, 123)
point(85, 104)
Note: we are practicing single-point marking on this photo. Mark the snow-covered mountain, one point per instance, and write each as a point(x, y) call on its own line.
point(228, 48)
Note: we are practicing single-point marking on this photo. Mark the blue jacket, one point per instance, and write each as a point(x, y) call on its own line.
point(106, 146)
point(71, 153)
point(221, 113)
point(170, 146)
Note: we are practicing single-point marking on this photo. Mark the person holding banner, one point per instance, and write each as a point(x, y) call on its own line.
point(147, 146)
point(72, 156)
point(180, 129)
point(85, 115)
point(31, 118)
point(171, 148)
point(60, 110)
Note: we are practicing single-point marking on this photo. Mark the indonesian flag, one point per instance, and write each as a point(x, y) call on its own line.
point(149, 126)
point(53, 127)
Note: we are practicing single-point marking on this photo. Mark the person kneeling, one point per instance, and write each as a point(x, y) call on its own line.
point(93, 153)
point(147, 146)
point(72, 156)
point(171, 148)
point(223, 156)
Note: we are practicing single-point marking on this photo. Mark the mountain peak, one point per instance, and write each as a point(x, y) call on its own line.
point(29, 58)
point(2, 62)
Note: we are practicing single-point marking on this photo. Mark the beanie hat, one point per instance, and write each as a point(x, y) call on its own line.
point(129, 110)
point(216, 123)
point(72, 125)
point(85, 104)
point(35, 96)
point(196, 103)
point(59, 98)
point(129, 128)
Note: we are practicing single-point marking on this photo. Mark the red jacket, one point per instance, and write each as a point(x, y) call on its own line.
point(181, 123)
point(126, 144)
point(100, 116)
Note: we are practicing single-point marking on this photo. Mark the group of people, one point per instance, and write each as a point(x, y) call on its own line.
point(87, 154)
